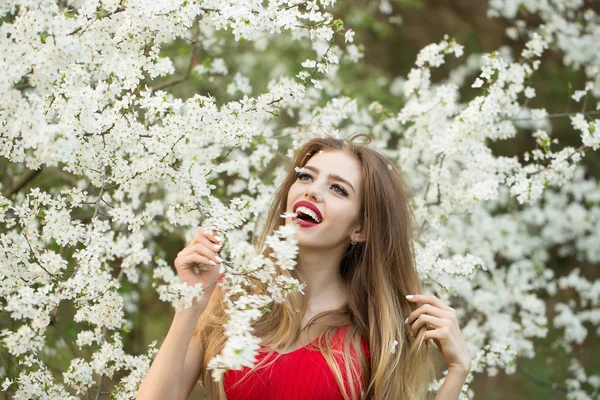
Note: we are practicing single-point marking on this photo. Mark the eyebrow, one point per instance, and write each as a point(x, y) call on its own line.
point(334, 176)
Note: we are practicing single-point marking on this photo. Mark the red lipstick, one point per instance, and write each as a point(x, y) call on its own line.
point(310, 206)
point(303, 223)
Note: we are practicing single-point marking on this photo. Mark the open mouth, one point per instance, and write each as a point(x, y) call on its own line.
point(306, 217)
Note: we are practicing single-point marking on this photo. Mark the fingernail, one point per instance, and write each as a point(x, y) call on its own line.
point(218, 238)
point(217, 246)
point(212, 262)
point(409, 296)
point(406, 321)
point(219, 259)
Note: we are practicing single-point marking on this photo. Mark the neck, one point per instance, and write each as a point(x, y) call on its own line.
point(319, 270)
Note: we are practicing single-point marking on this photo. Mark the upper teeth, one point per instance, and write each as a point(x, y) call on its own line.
point(308, 211)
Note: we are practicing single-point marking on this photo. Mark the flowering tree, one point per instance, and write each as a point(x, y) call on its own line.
point(90, 102)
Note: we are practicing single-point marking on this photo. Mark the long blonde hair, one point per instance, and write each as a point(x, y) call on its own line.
point(378, 272)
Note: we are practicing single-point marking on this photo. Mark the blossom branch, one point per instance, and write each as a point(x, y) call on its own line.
point(185, 77)
point(82, 29)
point(149, 169)
point(255, 12)
point(37, 261)
point(439, 159)
point(30, 175)
point(545, 168)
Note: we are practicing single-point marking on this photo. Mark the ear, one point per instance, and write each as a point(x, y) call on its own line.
point(358, 236)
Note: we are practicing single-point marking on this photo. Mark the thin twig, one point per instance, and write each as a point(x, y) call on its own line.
point(149, 169)
point(106, 132)
point(99, 393)
point(64, 337)
point(21, 86)
point(37, 261)
point(22, 182)
point(294, 5)
point(585, 102)
point(437, 283)
point(540, 382)
point(560, 115)
point(102, 188)
point(577, 150)
point(82, 29)
point(185, 77)
point(65, 176)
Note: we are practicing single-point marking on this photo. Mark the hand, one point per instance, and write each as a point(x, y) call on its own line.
point(203, 249)
point(440, 320)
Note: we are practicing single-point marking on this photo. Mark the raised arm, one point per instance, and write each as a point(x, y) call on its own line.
point(442, 327)
point(176, 367)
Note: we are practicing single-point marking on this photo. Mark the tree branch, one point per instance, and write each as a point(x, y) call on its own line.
point(540, 382)
point(99, 393)
point(64, 337)
point(185, 77)
point(561, 115)
point(102, 188)
point(22, 182)
point(83, 29)
point(37, 261)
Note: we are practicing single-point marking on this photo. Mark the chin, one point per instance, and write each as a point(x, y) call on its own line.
point(304, 240)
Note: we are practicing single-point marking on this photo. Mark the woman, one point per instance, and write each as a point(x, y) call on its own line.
point(360, 330)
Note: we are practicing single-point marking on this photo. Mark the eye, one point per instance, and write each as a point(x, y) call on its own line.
point(302, 175)
point(341, 190)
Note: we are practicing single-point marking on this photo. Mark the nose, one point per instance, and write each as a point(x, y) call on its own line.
point(313, 192)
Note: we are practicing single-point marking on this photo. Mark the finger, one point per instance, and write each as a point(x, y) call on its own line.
point(428, 299)
point(433, 334)
point(215, 247)
point(201, 249)
point(195, 258)
point(200, 232)
point(430, 310)
point(210, 234)
point(204, 233)
point(429, 320)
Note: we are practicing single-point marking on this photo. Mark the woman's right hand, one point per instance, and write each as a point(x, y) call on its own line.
point(203, 249)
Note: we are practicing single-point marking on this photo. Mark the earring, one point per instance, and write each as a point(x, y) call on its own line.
point(353, 242)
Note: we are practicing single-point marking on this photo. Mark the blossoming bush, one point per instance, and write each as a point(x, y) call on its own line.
point(105, 156)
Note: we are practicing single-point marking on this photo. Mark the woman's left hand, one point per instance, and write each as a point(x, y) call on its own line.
point(443, 328)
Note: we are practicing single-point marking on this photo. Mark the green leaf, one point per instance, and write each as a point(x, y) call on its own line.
point(339, 24)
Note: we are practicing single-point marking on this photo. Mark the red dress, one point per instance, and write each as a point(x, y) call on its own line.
point(302, 374)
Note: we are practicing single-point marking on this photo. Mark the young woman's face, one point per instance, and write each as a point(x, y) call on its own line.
point(328, 188)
